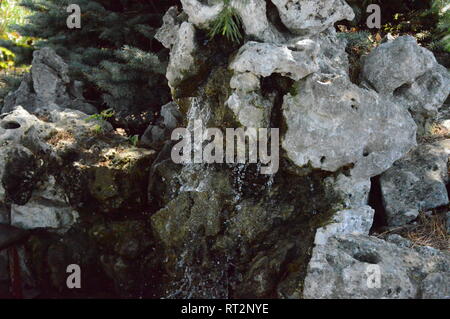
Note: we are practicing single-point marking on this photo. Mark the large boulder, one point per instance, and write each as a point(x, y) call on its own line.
point(309, 17)
point(183, 63)
point(48, 87)
point(294, 63)
point(364, 267)
point(411, 74)
point(416, 183)
point(332, 123)
point(396, 63)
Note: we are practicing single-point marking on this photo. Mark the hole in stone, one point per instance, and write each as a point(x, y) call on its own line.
point(402, 89)
point(366, 153)
point(367, 257)
point(376, 202)
point(10, 125)
point(322, 159)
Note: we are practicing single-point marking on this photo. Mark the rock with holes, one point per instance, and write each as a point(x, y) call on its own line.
point(255, 23)
point(295, 64)
point(332, 123)
point(167, 34)
point(251, 108)
point(252, 13)
point(364, 267)
point(425, 96)
point(396, 63)
point(308, 17)
point(47, 87)
point(349, 221)
point(416, 183)
point(411, 73)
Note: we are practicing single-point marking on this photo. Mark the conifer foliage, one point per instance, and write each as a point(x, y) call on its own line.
point(113, 52)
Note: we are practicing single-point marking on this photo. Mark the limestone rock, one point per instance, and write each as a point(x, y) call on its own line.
point(255, 22)
point(277, 59)
point(47, 87)
point(353, 191)
point(350, 221)
point(308, 17)
point(425, 96)
point(332, 123)
point(182, 62)
point(167, 34)
point(252, 13)
point(396, 63)
point(348, 265)
point(47, 208)
point(416, 183)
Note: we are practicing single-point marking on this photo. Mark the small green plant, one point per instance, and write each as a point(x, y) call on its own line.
point(134, 140)
point(101, 118)
point(228, 24)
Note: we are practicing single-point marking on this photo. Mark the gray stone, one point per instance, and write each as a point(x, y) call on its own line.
point(416, 183)
point(47, 87)
point(167, 34)
point(332, 123)
point(255, 23)
point(347, 266)
point(350, 221)
point(201, 15)
point(436, 286)
point(182, 64)
point(353, 191)
point(277, 59)
point(251, 109)
point(394, 64)
point(252, 13)
point(47, 209)
point(425, 96)
point(308, 17)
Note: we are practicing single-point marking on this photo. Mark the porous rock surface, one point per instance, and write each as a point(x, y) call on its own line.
point(143, 226)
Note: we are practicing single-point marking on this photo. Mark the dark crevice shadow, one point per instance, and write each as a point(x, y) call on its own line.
point(376, 202)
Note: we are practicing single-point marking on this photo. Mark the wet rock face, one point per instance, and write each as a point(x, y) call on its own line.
point(290, 71)
point(416, 183)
